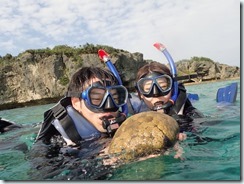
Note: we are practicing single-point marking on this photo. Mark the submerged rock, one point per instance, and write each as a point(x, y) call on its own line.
point(144, 134)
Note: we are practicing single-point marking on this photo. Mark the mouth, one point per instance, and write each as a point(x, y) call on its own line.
point(158, 105)
point(105, 116)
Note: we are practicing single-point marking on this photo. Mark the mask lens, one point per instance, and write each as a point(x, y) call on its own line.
point(145, 85)
point(163, 82)
point(118, 94)
point(96, 95)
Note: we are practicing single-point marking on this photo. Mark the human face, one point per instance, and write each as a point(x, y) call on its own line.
point(94, 118)
point(162, 82)
point(104, 98)
point(155, 85)
point(150, 101)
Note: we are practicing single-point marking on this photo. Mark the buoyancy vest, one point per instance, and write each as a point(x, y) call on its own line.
point(136, 105)
point(65, 120)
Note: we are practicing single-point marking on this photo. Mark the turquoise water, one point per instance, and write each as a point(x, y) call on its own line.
point(211, 153)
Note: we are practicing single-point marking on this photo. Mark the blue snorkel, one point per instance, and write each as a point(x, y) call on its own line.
point(163, 49)
point(105, 58)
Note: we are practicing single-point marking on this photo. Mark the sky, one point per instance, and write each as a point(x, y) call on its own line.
point(202, 28)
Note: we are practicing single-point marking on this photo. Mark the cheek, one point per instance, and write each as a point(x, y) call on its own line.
point(88, 114)
point(85, 111)
point(92, 117)
point(167, 97)
point(150, 101)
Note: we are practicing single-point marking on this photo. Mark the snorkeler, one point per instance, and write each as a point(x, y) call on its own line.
point(7, 125)
point(155, 88)
point(89, 110)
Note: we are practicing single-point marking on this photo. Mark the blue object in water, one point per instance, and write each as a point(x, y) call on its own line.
point(227, 94)
point(192, 96)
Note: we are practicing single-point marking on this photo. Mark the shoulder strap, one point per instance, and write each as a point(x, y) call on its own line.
point(181, 99)
point(130, 107)
point(59, 112)
point(47, 130)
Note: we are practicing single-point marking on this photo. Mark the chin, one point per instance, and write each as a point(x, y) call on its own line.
point(101, 130)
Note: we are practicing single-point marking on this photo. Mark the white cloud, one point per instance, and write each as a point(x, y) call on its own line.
point(7, 45)
point(188, 28)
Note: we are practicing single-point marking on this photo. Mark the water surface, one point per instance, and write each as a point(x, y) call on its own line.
point(211, 153)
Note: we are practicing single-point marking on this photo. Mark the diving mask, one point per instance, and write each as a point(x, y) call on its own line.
point(105, 98)
point(155, 85)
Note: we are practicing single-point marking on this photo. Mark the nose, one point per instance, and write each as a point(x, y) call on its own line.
point(155, 91)
point(109, 104)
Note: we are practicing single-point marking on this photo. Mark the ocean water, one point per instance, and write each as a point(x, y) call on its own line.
point(211, 153)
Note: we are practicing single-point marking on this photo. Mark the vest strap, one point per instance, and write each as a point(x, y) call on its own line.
point(130, 107)
point(60, 113)
point(180, 101)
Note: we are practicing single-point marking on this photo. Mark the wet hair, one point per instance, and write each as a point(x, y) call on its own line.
point(81, 78)
point(152, 67)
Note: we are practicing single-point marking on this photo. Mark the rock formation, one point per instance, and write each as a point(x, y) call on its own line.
point(144, 134)
point(42, 76)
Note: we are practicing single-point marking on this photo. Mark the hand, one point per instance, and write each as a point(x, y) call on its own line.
point(182, 136)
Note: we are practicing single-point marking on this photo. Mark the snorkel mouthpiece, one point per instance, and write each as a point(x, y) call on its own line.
point(111, 124)
point(158, 105)
point(161, 105)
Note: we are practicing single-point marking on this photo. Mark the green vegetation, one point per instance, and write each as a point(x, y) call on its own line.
point(72, 52)
point(6, 60)
point(8, 57)
point(78, 60)
point(194, 62)
point(201, 59)
point(64, 80)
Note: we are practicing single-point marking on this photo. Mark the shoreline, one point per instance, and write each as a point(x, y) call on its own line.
point(56, 99)
point(210, 81)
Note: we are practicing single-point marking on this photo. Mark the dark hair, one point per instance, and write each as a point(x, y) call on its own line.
point(83, 75)
point(152, 67)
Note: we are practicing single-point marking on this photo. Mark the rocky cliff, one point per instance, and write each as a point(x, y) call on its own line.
point(42, 76)
point(206, 69)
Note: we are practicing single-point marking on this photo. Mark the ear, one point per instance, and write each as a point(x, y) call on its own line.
point(76, 103)
point(140, 95)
